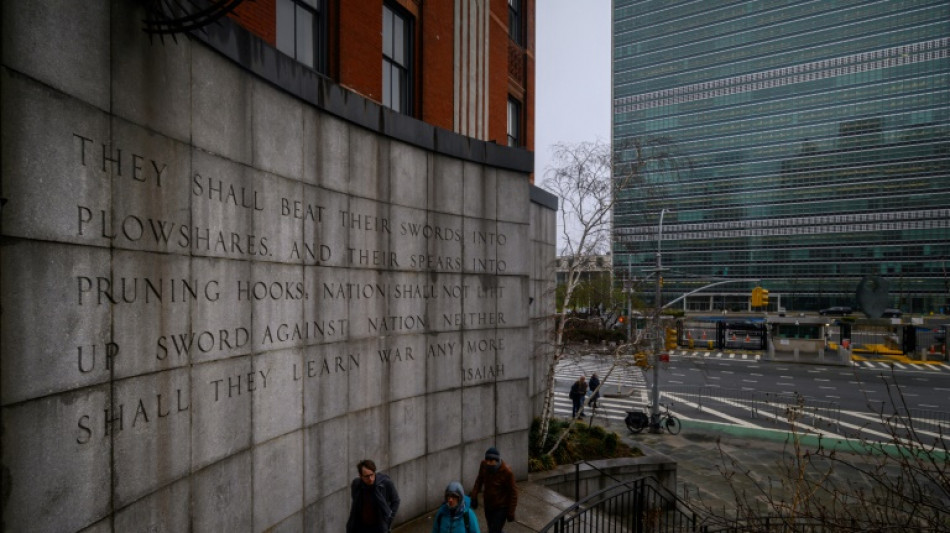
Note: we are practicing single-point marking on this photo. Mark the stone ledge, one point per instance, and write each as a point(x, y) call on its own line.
point(653, 464)
point(254, 55)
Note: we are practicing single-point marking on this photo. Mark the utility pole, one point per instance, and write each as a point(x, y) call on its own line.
point(628, 288)
point(658, 337)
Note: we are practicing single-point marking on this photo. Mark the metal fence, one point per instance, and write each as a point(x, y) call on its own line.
point(630, 507)
point(643, 505)
point(936, 421)
point(805, 410)
point(781, 406)
point(818, 413)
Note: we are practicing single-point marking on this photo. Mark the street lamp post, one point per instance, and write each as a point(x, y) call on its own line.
point(658, 337)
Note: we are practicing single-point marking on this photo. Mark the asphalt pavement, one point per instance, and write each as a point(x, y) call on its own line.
point(716, 465)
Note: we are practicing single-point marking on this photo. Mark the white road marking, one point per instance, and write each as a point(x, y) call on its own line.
point(877, 418)
point(724, 416)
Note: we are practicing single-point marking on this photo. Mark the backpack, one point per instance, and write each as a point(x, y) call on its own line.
point(465, 519)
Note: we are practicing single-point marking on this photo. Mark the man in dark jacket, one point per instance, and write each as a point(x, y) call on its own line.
point(577, 394)
point(501, 493)
point(375, 501)
point(594, 390)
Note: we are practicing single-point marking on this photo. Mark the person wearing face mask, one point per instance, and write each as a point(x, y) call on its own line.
point(501, 493)
point(455, 515)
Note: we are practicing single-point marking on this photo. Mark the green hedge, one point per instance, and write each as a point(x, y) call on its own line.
point(584, 443)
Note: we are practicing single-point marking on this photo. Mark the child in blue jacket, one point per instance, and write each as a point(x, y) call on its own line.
point(455, 515)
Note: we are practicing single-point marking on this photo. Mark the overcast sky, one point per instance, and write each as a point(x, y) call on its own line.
point(573, 76)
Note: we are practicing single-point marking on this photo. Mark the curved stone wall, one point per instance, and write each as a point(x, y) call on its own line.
point(219, 295)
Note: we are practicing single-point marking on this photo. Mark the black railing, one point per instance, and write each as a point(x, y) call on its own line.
point(637, 506)
point(645, 506)
point(774, 524)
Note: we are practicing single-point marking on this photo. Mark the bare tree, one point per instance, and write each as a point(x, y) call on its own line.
point(588, 178)
point(906, 480)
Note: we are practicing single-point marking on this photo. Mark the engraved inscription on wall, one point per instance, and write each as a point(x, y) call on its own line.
point(302, 266)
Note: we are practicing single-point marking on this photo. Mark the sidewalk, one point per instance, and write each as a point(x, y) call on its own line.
point(702, 451)
point(537, 506)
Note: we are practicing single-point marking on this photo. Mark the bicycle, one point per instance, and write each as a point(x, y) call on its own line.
point(598, 409)
point(636, 421)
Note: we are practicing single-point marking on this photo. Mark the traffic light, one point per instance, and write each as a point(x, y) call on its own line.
point(670, 341)
point(763, 297)
point(756, 297)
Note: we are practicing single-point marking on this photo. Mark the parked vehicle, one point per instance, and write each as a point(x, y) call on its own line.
point(890, 312)
point(838, 310)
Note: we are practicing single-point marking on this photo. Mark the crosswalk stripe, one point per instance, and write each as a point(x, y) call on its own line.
point(631, 383)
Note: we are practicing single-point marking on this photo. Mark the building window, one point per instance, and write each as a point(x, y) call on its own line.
point(515, 32)
point(397, 60)
point(514, 122)
point(301, 32)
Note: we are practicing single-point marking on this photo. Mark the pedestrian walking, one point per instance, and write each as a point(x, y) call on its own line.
point(497, 481)
point(374, 500)
point(594, 390)
point(577, 394)
point(455, 515)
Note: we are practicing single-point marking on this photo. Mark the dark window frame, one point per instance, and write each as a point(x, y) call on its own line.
point(516, 21)
point(316, 9)
point(515, 119)
point(404, 66)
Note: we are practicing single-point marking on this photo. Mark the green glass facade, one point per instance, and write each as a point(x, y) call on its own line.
point(812, 144)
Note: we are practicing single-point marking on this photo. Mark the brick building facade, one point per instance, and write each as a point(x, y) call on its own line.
point(466, 66)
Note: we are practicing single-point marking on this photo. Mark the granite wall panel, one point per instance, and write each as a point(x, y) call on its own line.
point(218, 296)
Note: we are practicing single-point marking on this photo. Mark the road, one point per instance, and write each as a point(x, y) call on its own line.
point(846, 402)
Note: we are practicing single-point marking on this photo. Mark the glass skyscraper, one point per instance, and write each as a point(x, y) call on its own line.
point(811, 142)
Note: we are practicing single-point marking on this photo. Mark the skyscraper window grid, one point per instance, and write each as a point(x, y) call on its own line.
point(814, 138)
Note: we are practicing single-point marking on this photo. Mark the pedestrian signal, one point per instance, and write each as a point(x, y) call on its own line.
point(670, 341)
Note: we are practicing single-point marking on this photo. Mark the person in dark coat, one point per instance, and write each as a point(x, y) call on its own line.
point(374, 501)
point(577, 394)
point(594, 392)
point(501, 493)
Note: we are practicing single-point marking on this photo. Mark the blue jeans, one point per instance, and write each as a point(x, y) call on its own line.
point(578, 402)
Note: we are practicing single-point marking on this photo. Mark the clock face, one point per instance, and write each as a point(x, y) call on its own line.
point(873, 296)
